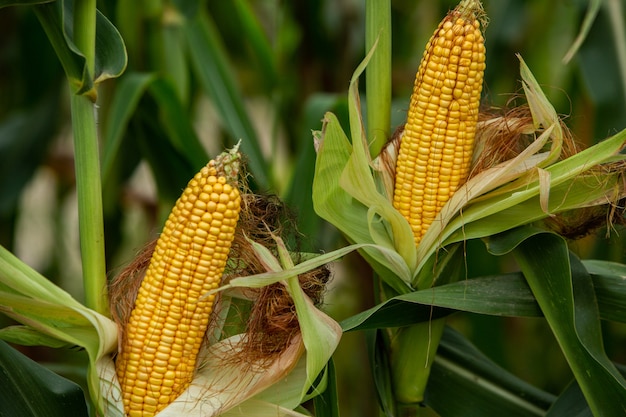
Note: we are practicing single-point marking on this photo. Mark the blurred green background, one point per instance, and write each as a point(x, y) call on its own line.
point(201, 75)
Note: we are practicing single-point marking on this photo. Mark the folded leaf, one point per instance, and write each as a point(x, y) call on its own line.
point(564, 291)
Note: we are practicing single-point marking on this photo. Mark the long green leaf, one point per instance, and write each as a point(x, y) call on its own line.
point(570, 403)
point(380, 365)
point(216, 77)
point(172, 115)
point(110, 58)
point(506, 295)
point(252, 31)
point(128, 92)
point(590, 16)
point(30, 390)
point(564, 291)
point(610, 285)
point(177, 124)
point(7, 3)
point(479, 386)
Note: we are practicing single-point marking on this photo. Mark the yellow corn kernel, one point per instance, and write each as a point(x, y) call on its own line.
point(437, 143)
point(167, 325)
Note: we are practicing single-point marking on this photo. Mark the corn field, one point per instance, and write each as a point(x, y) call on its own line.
point(312, 208)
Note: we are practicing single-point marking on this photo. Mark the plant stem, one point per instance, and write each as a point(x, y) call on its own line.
point(378, 73)
point(87, 166)
point(89, 189)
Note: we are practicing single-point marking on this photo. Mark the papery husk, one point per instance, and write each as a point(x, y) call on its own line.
point(233, 370)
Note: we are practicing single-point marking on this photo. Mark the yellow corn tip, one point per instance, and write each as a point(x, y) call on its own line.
point(167, 325)
point(438, 138)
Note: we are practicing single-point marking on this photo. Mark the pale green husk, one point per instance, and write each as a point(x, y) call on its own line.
point(350, 191)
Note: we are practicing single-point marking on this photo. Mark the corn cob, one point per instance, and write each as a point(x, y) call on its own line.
point(438, 138)
point(167, 325)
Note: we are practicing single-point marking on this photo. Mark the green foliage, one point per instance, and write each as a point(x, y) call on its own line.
point(176, 82)
point(30, 390)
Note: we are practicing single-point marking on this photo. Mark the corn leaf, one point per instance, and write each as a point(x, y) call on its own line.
point(253, 32)
point(27, 336)
point(212, 69)
point(174, 117)
point(506, 295)
point(380, 364)
point(277, 274)
point(564, 291)
point(590, 16)
point(571, 402)
point(174, 58)
point(357, 179)
point(180, 132)
point(130, 89)
point(30, 390)
point(327, 403)
point(609, 280)
point(494, 215)
point(479, 384)
point(34, 301)
point(7, 3)
point(110, 61)
point(345, 193)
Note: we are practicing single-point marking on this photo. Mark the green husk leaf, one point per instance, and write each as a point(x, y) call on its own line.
point(528, 188)
point(28, 336)
point(34, 301)
point(276, 273)
point(345, 194)
point(320, 333)
point(357, 179)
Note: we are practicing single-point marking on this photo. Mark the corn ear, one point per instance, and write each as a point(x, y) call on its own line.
point(438, 138)
point(162, 339)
